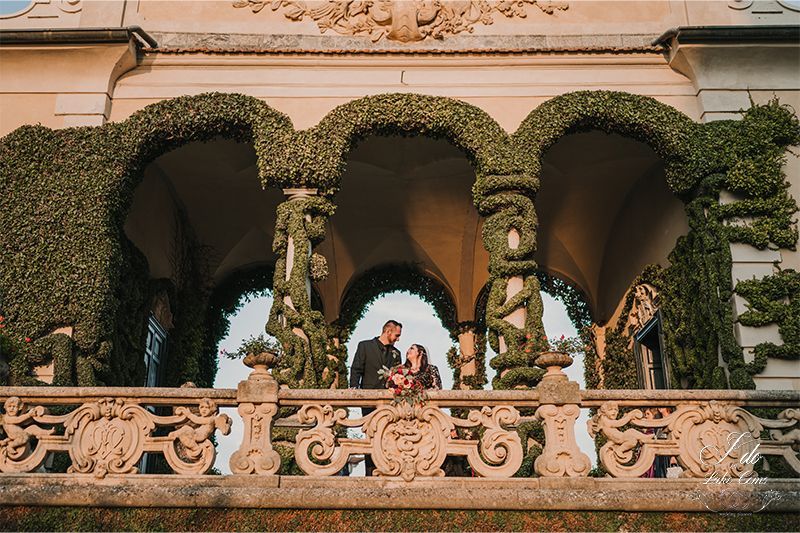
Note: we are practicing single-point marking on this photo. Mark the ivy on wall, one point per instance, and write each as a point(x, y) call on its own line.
point(226, 299)
point(402, 277)
point(317, 157)
point(65, 261)
point(701, 161)
point(64, 258)
point(774, 299)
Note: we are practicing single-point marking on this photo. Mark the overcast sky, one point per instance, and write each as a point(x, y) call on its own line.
point(420, 326)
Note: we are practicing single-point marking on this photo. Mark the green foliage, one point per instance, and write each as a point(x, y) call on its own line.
point(774, 299)
point(65, 260)
point(402, 277)
point(304, 361)
point(255, 345)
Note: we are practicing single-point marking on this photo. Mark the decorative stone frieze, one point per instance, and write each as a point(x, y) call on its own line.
point(401, 20)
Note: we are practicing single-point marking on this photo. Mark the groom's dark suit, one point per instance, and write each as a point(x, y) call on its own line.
point(370, 356)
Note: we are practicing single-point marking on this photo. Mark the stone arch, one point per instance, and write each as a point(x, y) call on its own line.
point(383, 279)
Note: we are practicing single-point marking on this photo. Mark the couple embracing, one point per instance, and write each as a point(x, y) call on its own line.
point(374, 354)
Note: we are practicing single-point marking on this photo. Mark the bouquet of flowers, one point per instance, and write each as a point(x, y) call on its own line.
point(401, 382)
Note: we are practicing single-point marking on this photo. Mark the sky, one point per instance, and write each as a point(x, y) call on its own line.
point(420, 326)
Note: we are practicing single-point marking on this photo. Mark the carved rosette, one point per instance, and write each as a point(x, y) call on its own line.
point(256, 454)
point(561, 455)
point(408, 441)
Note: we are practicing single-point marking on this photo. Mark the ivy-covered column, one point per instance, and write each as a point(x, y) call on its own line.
point(514, 307)
point(299, 328)
point(468, 358)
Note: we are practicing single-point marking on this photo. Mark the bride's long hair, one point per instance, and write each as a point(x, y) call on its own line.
point(423, 358)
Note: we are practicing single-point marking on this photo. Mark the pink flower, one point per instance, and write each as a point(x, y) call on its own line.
point(27, 339)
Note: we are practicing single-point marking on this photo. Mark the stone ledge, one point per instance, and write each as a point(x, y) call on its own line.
point(289, 492)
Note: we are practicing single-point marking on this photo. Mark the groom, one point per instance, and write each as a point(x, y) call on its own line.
point(370, 356)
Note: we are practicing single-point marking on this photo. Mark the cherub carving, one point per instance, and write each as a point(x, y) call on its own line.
point(605, 421)
point(200, 427)
point(17, 429)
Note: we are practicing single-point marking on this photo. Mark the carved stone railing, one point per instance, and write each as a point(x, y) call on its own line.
point(106, 431)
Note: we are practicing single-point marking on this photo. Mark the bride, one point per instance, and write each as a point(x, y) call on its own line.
point(425, 373)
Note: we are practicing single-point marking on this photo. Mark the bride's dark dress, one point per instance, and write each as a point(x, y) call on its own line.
point(429, 377)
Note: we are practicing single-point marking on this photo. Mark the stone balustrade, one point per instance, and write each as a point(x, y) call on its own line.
point(712, 434)
point(107, 430)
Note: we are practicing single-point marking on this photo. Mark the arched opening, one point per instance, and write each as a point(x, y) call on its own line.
point(204, 225)
point(406, 201)
point(605, 212)
point(606, 215)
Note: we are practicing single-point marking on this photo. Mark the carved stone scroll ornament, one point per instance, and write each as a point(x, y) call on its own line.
point(561, 455)
point(401, 20)
point(48, 9)
point(189, 449)
point(408, 441)
point(109, 437)
point(715, 438)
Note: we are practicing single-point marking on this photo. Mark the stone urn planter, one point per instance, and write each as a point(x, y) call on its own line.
point(553, 362)
point(260, 363)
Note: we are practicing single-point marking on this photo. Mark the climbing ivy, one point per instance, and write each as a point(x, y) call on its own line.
point(400, 277)
point(65, 260)
point(304, 359)
point(774, 299)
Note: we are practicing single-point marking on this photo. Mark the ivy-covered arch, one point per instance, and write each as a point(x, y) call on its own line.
point(672, 135)
point(317, 157)
point(701, 160)
point(400, 277)
point(67, 195)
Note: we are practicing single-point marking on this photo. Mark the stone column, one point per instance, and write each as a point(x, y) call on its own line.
point(466, 351)
point(514, 286)
point(293, 195)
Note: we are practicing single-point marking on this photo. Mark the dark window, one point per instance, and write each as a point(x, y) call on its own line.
point(154, 352)
point(650, 363)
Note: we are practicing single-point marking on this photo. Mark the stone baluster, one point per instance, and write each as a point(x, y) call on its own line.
point(258, 404)
point(559, 400)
